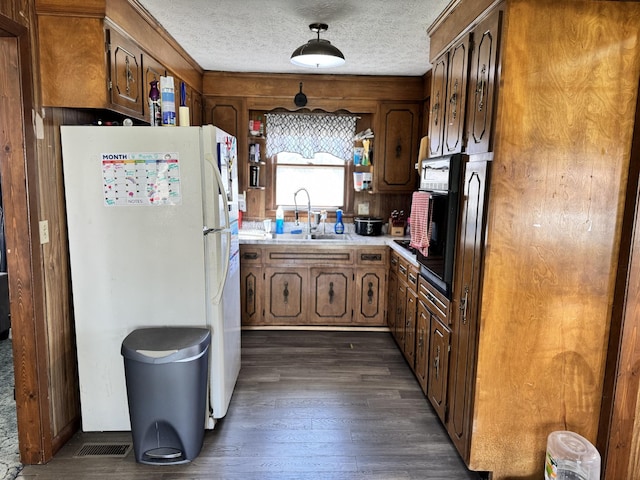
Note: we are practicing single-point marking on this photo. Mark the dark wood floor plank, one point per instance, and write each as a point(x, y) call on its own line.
point(308, 405)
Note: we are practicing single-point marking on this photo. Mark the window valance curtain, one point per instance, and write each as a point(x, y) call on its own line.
point(311, 133)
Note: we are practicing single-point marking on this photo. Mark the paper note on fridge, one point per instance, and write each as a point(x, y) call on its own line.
point(143, 179)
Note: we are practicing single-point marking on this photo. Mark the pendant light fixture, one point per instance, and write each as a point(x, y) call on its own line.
point(317, 53)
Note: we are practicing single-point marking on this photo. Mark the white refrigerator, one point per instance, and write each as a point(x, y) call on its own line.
point(152, 216)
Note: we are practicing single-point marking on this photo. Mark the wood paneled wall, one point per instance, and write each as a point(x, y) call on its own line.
point(230, 96)
point(19, 167)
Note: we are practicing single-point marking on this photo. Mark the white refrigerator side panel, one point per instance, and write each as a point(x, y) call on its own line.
point(131, 266)
point(222, 273)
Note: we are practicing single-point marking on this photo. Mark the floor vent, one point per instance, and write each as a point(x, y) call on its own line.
point(104, 450)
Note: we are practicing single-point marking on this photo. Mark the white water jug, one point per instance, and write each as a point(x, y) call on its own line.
point(571, 457)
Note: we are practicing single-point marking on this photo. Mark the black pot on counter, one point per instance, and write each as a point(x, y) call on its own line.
point(368, 226)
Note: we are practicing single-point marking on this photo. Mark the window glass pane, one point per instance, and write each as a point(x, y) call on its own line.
point(324, 184)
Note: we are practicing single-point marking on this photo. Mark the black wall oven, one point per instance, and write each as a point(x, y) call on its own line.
point(441, 177)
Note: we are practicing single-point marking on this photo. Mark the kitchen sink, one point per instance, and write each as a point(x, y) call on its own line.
point(314, 236)
point(331, 236)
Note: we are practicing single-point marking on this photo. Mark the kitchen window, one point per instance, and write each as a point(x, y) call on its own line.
point(311, 151)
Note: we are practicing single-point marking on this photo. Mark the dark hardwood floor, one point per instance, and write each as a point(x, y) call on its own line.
point(308, 405)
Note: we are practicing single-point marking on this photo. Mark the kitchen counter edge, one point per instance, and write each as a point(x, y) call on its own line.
point(349, 240)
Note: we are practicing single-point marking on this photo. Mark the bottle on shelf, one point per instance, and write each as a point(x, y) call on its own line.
point(155, 112)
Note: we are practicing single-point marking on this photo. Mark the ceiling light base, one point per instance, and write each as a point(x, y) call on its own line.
point(317, 53)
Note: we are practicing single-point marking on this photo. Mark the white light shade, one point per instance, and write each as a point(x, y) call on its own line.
point(317, 53)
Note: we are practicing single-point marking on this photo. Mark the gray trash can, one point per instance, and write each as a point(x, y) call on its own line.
point(166, 372)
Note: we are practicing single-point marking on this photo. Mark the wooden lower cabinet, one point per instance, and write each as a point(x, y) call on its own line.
point(403, 295)
point(285, 286)
point(331, 295)
point(423, 326)
point(410, 311)
point(370, 296)
point(439, 341)
point(284, 291)
point(392, 295)
point(433, 345)
point(251, 287)
point(251, 284)
point(401, 306)
point(466, 298)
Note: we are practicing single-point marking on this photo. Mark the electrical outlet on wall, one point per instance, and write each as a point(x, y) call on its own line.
point(363, 208)
point(44, 232)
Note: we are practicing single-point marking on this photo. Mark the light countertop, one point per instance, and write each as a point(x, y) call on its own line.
point(259, 237)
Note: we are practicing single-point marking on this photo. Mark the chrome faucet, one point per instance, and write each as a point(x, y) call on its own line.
point(308, 209)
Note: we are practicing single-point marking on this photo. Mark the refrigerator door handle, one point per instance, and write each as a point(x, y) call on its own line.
point(206, 230)
point(225, 229)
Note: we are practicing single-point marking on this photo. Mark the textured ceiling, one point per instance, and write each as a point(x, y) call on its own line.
point(377, 37)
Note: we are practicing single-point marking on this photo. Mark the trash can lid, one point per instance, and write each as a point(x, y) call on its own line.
point(165, 344)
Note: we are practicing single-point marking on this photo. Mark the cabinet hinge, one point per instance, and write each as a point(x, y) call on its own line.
point(107, 47)
point(110, 85)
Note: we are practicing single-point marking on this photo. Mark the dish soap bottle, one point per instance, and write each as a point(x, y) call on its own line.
point(279, 220)
point(339, 227)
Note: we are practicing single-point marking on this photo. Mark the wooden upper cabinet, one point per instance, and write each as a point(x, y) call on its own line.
point(438, 101)
point(110, 65)
point(227, 114)
point(73, 74)
point(395, 158)
point(196, 108)
point(153, 70)
point(448, 100)
point(456, 97)
point(125, 74)
point(482, 84)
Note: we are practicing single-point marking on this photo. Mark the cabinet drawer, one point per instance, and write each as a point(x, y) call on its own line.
point(371, 256)
point(403, 268)
point(413, 273)
point(394, 261)
point(437, 303)
point(250, 254)
point(302, 256)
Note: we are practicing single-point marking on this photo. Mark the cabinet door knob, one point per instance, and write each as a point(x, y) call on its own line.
point(370, 293)
point(285, 293)
point(331, 292)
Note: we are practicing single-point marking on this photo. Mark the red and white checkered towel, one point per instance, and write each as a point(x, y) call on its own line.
point(421, 222)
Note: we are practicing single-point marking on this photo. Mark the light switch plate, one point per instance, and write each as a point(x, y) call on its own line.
point(44, 232)
point(363, 208)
